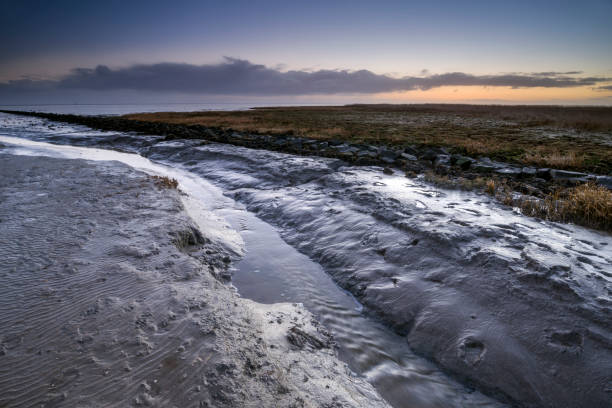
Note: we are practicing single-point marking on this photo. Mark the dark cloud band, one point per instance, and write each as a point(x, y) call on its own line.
point(241, 77)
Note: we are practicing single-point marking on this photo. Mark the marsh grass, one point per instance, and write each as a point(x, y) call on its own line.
point(550, 136)
point(461, 183)
point(588, 204)
point(542, 158)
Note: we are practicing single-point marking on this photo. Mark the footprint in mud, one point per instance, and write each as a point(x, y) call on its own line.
point(569, 340)
point(472, 351)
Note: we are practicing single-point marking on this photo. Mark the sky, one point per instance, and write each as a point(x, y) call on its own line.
point(536, 51)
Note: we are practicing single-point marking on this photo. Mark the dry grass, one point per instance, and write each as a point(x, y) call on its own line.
point(165, 182)
point(588, 118)
point(461, 183)
point(529, 135)
point(554, 159)
point(490, 187)
point(589, 205)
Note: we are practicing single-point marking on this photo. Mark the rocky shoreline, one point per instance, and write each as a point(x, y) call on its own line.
point(532, 181)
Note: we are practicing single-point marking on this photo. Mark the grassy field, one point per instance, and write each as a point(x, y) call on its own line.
point(575, 138)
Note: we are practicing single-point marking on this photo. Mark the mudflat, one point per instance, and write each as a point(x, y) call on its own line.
point(110, 297)
point(514, 305)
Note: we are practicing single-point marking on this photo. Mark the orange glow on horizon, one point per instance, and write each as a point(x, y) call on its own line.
point(479, 93)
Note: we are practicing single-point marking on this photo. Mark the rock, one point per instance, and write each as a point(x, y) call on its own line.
point(566, 175)
point(411, 151)
point(296, 143)
point(309, 143)
point(461, 161)
point(346, 149)
point(387, 170)
point(442, 160)
point(387, 155)
point(362, 146)
point(508, 171)
point(481, 167)
point(366, 161)
point(543, 173)
point(528, 172)
point(429, 155)
point(366, 153)
point(408, 157)
point(605, 181)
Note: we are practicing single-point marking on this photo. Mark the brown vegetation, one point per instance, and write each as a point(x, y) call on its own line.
point(578, 138)
point(588, 204)
point(541, 157)
point(461, 183)
point(165, 182)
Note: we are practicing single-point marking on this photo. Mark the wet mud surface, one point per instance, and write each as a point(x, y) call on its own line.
point(517, 307)
point(109, 297)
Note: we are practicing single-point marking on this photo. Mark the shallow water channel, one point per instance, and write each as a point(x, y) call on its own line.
point(268, 270)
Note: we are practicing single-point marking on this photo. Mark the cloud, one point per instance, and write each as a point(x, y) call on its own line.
point(605, 88)
point(555, 73)
point(241, 77)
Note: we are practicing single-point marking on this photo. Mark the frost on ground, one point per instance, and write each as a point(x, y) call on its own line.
point(109, 297)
